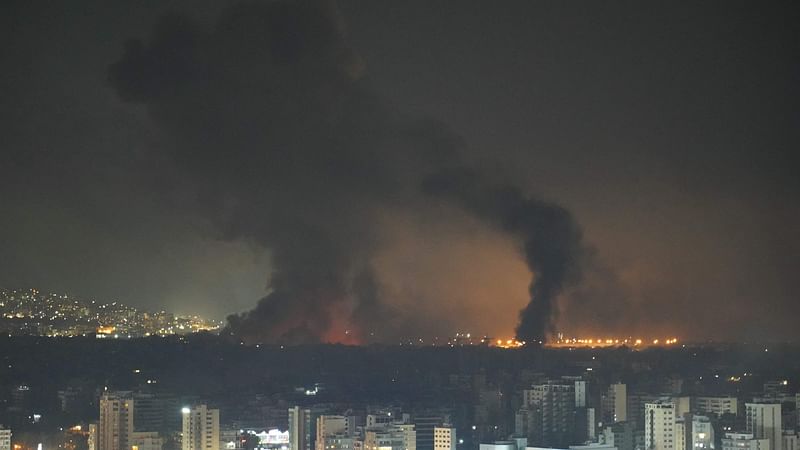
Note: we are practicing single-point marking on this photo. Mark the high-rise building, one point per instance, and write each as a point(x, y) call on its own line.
point(424, 425)
point(702, 433)
point(659, 425)
point(764, 422)
point(580, 393)
point(680, 434)
point(5, 438)
point(300, 429)
point(615, 404)
point(716, 405)
point(580, 389)
point(591, 424)
point(116, 421)
point(334, 433)
point(523, 422)
point(444, 438)
point(328, 425)
point(635, 407)
point(200, 428)
point(149, 412)
point(743, 441)
point(122, 415)
point(552, 407)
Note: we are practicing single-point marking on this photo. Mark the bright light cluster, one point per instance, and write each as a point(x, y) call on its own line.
point(509, 343)
point(562, 341)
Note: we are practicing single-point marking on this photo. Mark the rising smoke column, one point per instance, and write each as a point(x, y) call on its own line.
point(267, 127)
point(549, 236)
point(281, 144)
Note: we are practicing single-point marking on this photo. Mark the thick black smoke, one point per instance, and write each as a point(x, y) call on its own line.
point(551, 240)
point(281, 144)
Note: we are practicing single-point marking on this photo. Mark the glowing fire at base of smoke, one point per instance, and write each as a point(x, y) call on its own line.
point(509, 343)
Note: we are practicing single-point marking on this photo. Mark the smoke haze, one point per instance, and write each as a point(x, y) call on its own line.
point(283, 144)
point(341, 167)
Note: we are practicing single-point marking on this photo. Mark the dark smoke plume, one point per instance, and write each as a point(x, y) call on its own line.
point(551, 240)
point(281, 144)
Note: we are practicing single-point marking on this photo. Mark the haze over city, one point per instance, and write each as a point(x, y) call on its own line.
point(360, 172)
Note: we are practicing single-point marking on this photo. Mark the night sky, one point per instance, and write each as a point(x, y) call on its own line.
point(399, 167)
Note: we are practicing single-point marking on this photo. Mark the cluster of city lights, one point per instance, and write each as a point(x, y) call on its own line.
point(29, 312)
point(561, 341)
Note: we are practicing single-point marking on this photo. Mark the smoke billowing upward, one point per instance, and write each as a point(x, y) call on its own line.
point(281, 144)
point(550, 238)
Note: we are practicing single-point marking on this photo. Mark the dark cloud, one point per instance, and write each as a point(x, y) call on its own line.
point(271, 131)
point(287, 148)
point(668, 133)
point(551, 240)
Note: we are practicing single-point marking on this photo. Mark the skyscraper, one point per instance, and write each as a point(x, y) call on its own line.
point(301, 431)
point(552, 409)
point(764, 422)
point(615, 404)
point(116, 421)
point(200, 428)
point(659, 425)
point(424, 425)
point(580, 393)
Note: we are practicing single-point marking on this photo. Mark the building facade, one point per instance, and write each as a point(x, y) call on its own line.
point(115, 426)
point(146, 440)
point(764, 422)
point(717, 405)
point(702, 433)
point(301, 431)
point(444, 438)
point(743, 441)
point(391, 437)
point(200, 428)
point(5, 438)
point(659, 431)
point(615, 403)
point(552, 414)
